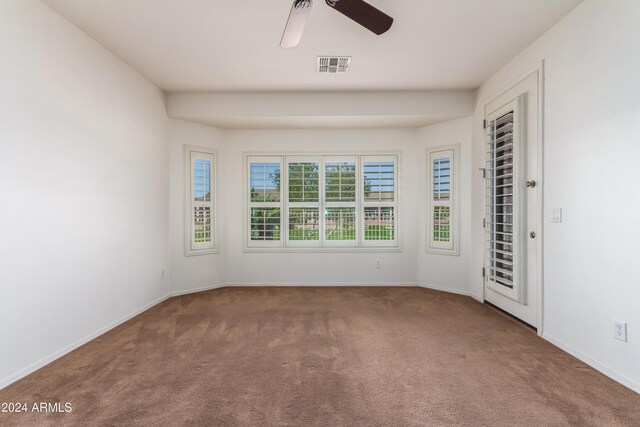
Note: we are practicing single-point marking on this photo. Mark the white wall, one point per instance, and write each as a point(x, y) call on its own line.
point(200, 271)
point(84, 184)
point(446, 272)
point(592, 123)
point(321, 268)
point(288, 110)
point(410, 266)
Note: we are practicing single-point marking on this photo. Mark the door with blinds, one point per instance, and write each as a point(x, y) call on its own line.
point(511, 217)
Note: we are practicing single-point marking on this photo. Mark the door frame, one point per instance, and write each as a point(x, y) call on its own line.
point(539, 69)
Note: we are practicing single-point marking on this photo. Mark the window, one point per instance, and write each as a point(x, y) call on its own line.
point(303, 184)
point(379, 184)
point(341, 201)
point(322, 202)
point(200, 207)
point(265, 201)
point(442, 201)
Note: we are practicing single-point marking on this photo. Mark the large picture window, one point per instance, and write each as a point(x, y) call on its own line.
point(322, 201)
point(200, 207)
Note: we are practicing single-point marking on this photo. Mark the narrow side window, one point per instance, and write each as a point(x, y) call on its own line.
point(441, 201)
point(201, 209)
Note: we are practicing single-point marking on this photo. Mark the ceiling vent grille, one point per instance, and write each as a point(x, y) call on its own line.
point(333, 64)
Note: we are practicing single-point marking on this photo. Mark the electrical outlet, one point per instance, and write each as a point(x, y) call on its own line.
point(620, 330)
point(378, 264)
point(555, 215)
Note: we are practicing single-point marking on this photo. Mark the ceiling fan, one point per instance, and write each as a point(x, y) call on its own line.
point(359, 11)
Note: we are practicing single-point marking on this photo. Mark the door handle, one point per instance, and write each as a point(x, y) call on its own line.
point(532, 234)
point(530, 184)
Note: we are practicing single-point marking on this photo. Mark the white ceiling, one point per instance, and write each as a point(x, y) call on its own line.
point(233, 45)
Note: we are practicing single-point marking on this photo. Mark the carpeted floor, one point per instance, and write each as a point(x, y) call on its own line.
point(322, 356)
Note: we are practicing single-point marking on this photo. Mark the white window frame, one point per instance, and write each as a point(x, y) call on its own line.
point(452, 247)
point(326, 204)
point(379, 204)
point(311, 205)
point(250, 205)
point(192, 153)
point(323, 245)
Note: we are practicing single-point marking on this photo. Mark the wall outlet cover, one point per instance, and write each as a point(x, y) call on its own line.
point(620, 330)
point(555, 215)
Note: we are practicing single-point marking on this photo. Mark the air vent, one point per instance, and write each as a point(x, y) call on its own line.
point(333, 64)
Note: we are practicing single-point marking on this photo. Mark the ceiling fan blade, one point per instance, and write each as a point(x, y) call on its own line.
point(295, 25)
point(364, 14)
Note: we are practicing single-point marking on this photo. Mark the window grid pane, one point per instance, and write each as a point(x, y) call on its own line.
point(304, 224)
point(340, 182)
point(265, 224)
point(379, 181)
point(201, 180)
point(379, 223)
point(202, 224)
point(441, 224)
point(304, 182)
point(332, 195)
point(265, 182)
point(442, 178)
point(340, 223)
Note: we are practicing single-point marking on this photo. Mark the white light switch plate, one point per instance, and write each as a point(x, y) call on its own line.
point(620, 330)
point(555, 215)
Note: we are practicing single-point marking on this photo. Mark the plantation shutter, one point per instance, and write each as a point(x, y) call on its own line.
point(265, 201)
point(504, 207)
point(201, 204)
point(340, 200)
point(303, 202)
point(441, 200)
point(379, 200)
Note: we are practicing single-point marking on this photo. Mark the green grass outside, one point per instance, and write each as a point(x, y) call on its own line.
point(379, 232)
point(442, 233)
point(202, 237)
point(373, 232)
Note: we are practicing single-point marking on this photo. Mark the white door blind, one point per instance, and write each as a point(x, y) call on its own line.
point(503, 208)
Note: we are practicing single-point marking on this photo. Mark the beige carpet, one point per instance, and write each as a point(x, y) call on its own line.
point(323, 356)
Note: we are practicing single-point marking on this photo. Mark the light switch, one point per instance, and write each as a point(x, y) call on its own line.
point(555, 215)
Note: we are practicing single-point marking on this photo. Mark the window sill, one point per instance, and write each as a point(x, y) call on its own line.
point(206, 252)
point(443, 252)
point(323, 250)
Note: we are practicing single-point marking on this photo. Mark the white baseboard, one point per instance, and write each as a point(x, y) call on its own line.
point(194, 291)
point(291, 284)
point(58, 354)
point(443, 289)
point(627, 382)
point(478, 298)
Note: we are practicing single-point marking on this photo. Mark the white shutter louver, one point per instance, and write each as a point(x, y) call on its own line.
point(379, 200)
point(265, 201)
point(315, 202)
point(504, 216)
point(340, 189)
point(303, 187)
point(442, 201)
point(201, 229)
